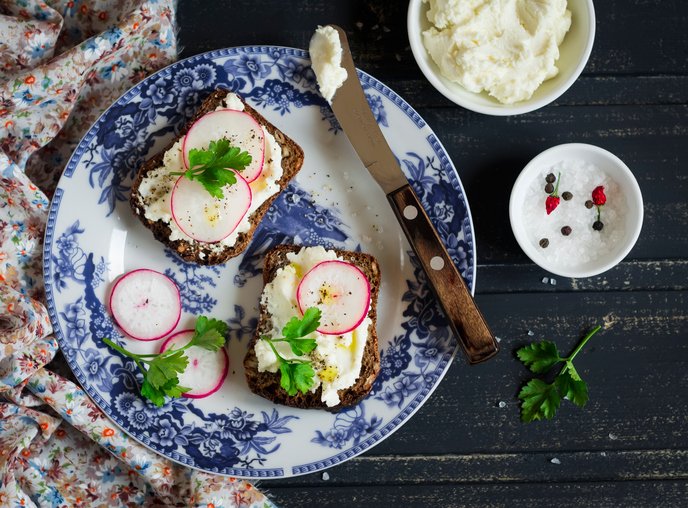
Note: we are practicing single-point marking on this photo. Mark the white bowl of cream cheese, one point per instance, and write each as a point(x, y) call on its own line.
point(505, 51)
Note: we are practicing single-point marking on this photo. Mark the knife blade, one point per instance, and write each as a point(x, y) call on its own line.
point(356, 119)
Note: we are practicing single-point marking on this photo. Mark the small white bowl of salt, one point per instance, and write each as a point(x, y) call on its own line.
point(576, 210)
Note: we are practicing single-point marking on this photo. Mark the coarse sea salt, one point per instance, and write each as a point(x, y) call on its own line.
point(584, 244)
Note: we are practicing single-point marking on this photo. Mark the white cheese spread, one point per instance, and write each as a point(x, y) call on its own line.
point(504, 47)
point(156, 187)
point(337, 359)
point(326, 59)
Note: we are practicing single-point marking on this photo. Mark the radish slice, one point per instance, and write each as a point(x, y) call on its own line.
point(238, 127)
point(206, 370)
point(342, 293)
point(204, 217)
point(145, 304)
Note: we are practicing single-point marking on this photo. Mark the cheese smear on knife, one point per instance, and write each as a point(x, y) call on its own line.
point(156, 187)
point(337, 359)
point(506, 48)
point(326, 59)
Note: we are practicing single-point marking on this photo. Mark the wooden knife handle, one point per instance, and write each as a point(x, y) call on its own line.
point(465, 319)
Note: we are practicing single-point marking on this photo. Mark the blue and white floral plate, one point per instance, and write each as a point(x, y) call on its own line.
point(92, 238)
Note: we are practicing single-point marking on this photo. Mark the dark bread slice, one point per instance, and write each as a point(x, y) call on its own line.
point(292, 160)
point(267, 384)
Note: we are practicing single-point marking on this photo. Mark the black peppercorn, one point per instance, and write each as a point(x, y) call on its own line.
point(566, 230)
point(597, 225)
point(589, 204)
point(550, 178)
point(544, 243)
point(567, 196)
point(549, 188)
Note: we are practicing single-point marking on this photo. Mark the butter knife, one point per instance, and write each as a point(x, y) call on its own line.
point(356, 119)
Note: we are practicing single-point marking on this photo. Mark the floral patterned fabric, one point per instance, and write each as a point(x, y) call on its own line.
point(61, 64)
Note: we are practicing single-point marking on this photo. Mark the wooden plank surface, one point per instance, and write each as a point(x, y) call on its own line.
point(629, 445)
point(638, 494)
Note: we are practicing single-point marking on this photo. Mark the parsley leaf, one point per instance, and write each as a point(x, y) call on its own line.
point(161, 371)
point(163, 368)
point(571, 386)
point(296, 327)
point(209, 333)
point(539, 357)
point(301, 347)
point(297, 375)
point(540, 399)
point(303, 374)
point(212, 167)
point(155, 395)
point(287, 378)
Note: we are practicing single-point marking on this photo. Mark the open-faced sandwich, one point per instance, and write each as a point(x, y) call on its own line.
point(316, 344)
point(205, 193)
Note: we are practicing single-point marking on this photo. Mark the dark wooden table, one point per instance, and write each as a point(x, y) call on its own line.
point(629, 445)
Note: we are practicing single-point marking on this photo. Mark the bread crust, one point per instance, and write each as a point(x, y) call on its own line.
point(198, 252)
point(267, 384)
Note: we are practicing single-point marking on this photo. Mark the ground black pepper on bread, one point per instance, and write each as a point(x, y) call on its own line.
point(198, 252)
point(267, 384)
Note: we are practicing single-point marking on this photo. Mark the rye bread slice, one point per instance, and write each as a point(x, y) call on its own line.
point(198, 252)
point(267, 384)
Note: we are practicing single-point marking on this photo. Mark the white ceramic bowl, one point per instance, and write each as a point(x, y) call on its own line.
point(610, 164)
point(574, 53)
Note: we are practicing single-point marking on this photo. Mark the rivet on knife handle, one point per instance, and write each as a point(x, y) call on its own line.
point(465, 319)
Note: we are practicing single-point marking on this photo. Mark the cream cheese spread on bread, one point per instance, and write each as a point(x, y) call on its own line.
point(156, 187)
point(337, 359)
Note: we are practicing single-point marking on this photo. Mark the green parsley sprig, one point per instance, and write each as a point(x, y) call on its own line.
point(211, 167)
point(540, 399)
point(295, 374)
point(161, 370)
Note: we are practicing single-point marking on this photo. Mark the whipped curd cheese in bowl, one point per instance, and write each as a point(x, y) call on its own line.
point(501, 57)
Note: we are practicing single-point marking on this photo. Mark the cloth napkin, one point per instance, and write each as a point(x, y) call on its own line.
point(61, 64)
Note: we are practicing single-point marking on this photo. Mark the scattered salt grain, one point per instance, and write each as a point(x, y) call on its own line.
point(531, 333)
point(613, 436)
point(502, 403)
point(604, 454)
point(545, 280)
point(553, 282)
point(584, 244)
point(498, 339)
point(325, 476)
point(555, 461)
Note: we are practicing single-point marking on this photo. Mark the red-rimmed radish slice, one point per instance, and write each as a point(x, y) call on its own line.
point(206, 370)
point(238, 127)
point(340, 290)
point(206, 218)
point(145, 304)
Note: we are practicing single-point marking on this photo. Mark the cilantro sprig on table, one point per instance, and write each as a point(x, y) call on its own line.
point(297, 375)
point(540, 399)
point(161, 370)
point(211, 166)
